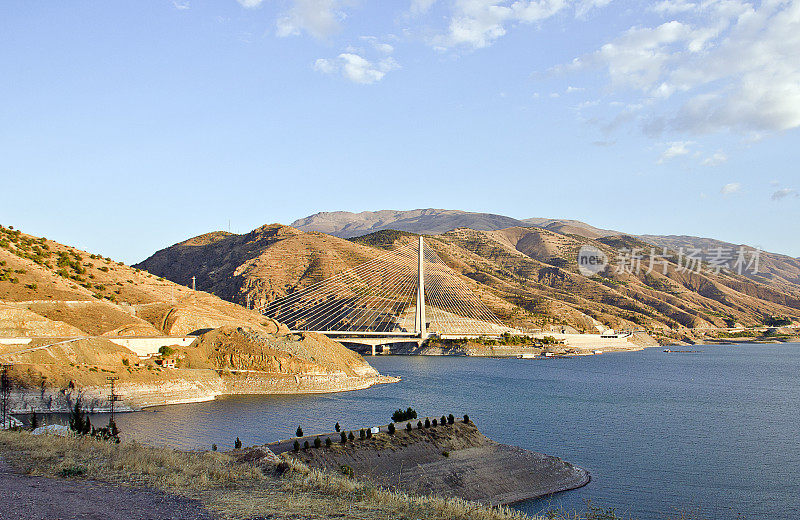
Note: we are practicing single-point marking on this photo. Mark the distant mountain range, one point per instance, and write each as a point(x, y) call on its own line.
point(526, 272)
point(431, 221)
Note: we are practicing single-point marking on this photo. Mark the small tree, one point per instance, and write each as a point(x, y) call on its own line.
point(391, 428)
point(443, 420)
point(351, 436)
point(338, 428)
point(466, 419)
point(78, 421)
point(238, 444)
point(451, 419)
point(296, 446)
point(419, 425)
point(299, 432)
point(433, 423)
point(408, 426)
point(213, 447)
point(317, 443)
point(427, 423)
point(362, 434)
point(369, 433)
point(344, 438)
point(306, 445)
point(328, 442)
point(34, 420)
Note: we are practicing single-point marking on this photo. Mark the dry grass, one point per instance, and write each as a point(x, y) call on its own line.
point(234, 490)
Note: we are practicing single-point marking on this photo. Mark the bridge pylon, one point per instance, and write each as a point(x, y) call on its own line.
point(420, 321)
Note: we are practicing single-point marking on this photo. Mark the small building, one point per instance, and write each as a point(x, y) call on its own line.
point(597, 352)
point(166, 362)
point(374, 430)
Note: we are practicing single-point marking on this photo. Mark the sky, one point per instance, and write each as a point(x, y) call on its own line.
point(126, 127)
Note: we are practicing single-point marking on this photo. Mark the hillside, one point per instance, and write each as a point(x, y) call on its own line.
point(527, 276)
point(73, 303)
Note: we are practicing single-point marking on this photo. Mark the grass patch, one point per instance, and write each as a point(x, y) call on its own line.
point(232, 489)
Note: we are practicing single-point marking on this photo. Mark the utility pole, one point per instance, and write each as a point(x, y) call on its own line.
point(5, 383)
point(194, 286)
point(113, 398)
point(420, 324)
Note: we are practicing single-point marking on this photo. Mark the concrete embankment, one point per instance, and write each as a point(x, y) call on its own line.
point(451, 461)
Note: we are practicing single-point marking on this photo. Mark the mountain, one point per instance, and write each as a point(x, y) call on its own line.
point(51, 293)
point(422, 221)
point(526, 275)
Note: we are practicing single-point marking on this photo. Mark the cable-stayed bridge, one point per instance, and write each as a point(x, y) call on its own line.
point(408, 292)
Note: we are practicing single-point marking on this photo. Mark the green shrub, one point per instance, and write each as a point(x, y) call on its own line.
point(466, 419)
point(328, 442)
point(404, 415)
point(306, 445)
point(451, 419)
point(434, 423)
point(238, 444)
point(408, 426)
point(419, 425)
point(317, 443)
point(344, 438)
point(445, 453)
point(443, 420)
point(166, 351)
point(296, 446)
point(346, 471)
point(362, 434)
point(351, 437)
point(427, 423)
point(391, 428)
point(299, 432)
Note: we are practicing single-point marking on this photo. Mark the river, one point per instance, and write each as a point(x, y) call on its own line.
point(716, 431)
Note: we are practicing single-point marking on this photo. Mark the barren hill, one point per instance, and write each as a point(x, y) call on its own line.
point(527, 275)
point(51, 294)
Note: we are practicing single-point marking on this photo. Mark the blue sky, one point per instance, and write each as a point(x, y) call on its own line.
point(128, 126)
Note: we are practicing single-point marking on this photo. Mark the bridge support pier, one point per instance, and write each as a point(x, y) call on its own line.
point(373, 349)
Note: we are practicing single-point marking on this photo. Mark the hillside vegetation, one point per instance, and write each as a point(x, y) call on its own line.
point(70, 302)
point(527, 275)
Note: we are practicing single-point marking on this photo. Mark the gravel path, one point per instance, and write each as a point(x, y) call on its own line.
point(23, 497)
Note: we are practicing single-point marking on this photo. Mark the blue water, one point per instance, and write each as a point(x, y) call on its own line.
point(717, 431)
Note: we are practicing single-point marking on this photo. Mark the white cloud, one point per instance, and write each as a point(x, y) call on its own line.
point(783, 193)
point(674, 6)
point(585, 6)
point(356, 68)
point(675, 149)
point(730, 188)
point(250, 4)
point(319, 18)
point(478, 23)
point(715, 160)
point(721, 65)
point(181, 5)
point(421, 6)
point(378, 45)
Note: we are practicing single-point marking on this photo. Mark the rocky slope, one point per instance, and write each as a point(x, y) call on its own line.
point(527, 276)
point(51, 294)
point(453, 460)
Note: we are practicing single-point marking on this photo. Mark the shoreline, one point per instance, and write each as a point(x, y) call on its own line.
point(453, 461)
point(147, 397)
